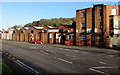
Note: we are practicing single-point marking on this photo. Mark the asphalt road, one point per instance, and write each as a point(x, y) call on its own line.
point(46, 59)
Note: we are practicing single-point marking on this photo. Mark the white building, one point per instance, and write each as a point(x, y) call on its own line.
point(7, 34)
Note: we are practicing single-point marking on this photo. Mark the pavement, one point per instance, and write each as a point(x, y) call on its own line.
point(56, 59)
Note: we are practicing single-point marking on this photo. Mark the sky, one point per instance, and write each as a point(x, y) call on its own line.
point(21, 13)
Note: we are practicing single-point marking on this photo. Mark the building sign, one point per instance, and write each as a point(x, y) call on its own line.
point(53, 30)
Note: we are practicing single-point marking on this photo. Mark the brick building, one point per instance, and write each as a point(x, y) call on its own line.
point(6, 34)
point(58, 35)
point(16, 34)
point(35, 33)
point(93, 24)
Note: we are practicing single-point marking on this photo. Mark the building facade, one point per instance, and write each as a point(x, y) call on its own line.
point(93, 25)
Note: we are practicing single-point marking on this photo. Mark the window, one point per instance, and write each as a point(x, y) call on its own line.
point(113, 11)
point(83, 14)
point(101, 12)
point(101, 25)
point(88, 30)
point(56, 36)
point(50, 35)
point(83, 37)
point(95, 30)
point(116, 24)
point(83, 25)
point(71, 37)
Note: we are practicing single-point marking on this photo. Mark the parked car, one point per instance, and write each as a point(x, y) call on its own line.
point(37, 41)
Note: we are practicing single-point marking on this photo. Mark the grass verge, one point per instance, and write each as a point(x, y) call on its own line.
point(5, 69)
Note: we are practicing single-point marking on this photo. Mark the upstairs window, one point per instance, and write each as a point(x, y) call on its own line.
point(113, 11)
point(83, 25)
point(83, 14)
point(83, 37)
point(101, 12)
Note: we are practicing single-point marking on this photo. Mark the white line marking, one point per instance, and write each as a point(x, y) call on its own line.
point(75, 50)
point(33, 47)
point(63, 60)
point(109, 64)
point(49, 50)
point(102, 67)
point(13, 58)
point(102, 62)
point(71, 56)
point(26, 66)
point(98, 71)
point(44, 52)
point(10, 56)
point(69, 50)
point(6, 53)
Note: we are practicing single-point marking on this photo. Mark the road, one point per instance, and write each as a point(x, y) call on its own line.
point(46, 59)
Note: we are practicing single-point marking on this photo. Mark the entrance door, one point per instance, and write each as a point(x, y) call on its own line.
point(62, 40)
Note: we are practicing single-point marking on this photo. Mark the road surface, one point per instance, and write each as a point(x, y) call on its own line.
point(50, 59)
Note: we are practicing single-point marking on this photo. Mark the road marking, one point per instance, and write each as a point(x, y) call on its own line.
point(27, 67)
point(49, 50)
point(75, 50)
point(111, 55)
point(102, 62)
point(71, 56)
point(98, 71)
point(33, 47)
point(102, 67)
point(63, 60)
point(69, 50)
point(109, 64)
point(13, 58)
point(10, 55)
point(6, 53)
point(44, 52)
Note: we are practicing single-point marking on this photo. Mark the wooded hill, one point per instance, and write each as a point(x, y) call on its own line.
point(52, 22)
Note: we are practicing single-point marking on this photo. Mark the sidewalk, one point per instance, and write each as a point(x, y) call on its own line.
point(89, 49)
